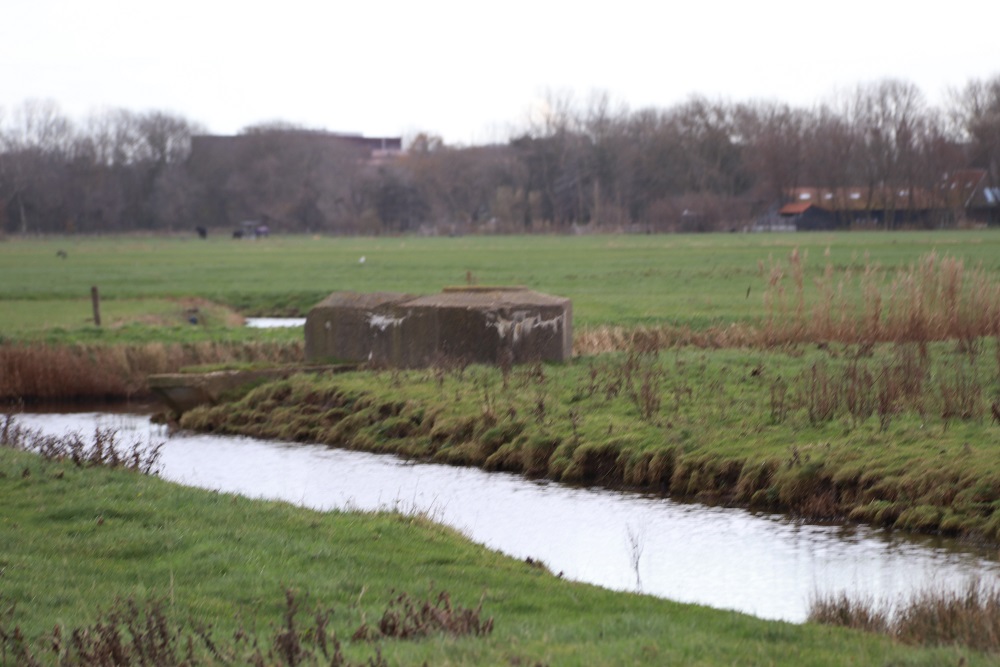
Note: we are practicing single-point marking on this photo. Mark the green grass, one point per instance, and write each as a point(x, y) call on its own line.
point(693, 280)
point(74, 539)
point(694, 423)
point(71, 540)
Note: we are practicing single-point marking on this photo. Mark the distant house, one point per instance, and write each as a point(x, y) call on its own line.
point(863, 206)
point(969, 191)
point(795, 216)
point(807, 216)
point(961, 195)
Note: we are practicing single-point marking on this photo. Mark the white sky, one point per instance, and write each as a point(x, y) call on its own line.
point(471, 71)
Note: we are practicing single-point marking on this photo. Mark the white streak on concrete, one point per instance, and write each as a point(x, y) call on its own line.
point(383, 322)
point(521, 324)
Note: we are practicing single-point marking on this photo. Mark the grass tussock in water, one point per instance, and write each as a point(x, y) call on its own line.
point(967, 617)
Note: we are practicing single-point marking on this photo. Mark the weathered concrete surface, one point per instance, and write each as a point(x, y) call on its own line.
point(493, 325)
point(342, 326)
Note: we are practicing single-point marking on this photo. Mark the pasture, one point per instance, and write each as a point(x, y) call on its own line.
point(859, 382)
point(693, 281)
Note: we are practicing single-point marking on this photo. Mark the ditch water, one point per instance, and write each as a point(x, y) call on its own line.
point(764, 565)
point(274, 322)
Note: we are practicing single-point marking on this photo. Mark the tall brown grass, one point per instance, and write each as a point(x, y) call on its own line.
point(968, 617)
point(599, 340)
point(936, 298)
point(43, 372)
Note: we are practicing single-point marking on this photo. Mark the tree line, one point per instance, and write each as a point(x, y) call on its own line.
point(699, 165)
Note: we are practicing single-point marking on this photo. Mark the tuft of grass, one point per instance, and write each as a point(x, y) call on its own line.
point(967, 617)
point(129, 634)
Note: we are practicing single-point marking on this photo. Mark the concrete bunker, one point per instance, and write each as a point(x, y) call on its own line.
point(491, 325)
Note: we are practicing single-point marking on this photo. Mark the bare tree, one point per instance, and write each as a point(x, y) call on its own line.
point(37, 145)
point(976, 112)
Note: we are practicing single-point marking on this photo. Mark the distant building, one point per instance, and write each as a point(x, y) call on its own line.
point(807, 216)
point(969, 191)
point(870, 206)
point(960, 196)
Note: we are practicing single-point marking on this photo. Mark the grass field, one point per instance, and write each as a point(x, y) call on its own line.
point(858, 376)
point(202, 564)
point(692, 280)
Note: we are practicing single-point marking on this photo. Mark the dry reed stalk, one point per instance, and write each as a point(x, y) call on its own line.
point(601, 340)
point(41, 372)
point(968, 617)
point(935, 298)
point(860, 613)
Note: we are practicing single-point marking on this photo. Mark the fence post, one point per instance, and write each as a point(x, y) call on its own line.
point(96, 299)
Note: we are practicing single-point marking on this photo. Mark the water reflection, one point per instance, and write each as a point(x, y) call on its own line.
point(727, 558)
point(274, 322)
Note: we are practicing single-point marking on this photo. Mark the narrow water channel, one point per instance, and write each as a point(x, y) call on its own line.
point(274, 322)
point(764, 565)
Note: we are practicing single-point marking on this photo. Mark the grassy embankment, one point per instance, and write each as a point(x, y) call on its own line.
point(880, 407)
point(198, 565)
point(799, 426)
point(830, 397)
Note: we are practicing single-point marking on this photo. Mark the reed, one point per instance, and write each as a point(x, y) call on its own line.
point(968, 617)
point(44, 372)
point(597, 340)
point(934, 298)
point(849, 611)
point(860, 388)
point(104, 448)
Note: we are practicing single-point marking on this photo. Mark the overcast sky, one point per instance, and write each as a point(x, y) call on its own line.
point(472, 71)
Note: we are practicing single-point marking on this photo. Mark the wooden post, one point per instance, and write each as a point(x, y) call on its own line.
point(96, 298)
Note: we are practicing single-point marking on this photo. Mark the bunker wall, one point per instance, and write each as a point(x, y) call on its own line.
point(492, 327)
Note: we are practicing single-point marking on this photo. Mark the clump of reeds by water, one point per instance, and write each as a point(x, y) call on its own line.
point(44, 372)
point(104, 448)
point(969, 616)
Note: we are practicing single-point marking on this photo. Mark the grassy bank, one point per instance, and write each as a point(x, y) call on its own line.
point(891, 434)
point(198, 564)
point(833, 376)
